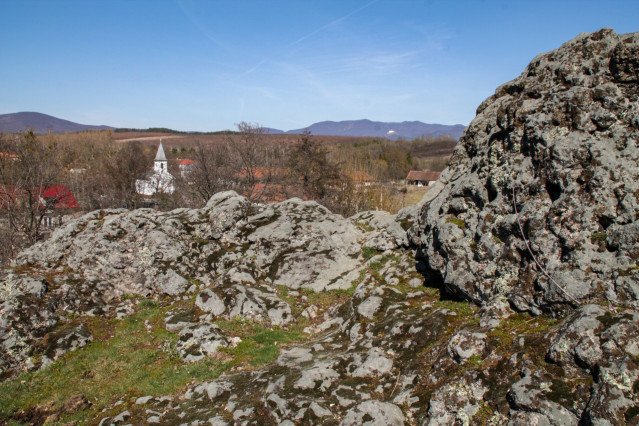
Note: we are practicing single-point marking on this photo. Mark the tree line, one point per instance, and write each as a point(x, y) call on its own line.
point(101, 173)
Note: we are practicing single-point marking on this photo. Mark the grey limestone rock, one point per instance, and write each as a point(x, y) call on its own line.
point(456, 403)
point(375, 364)
point(171, 283)
point(65, 340)
point(175, 320)
point(530, 395)
point(200, 340)
point(369, 307)
point(561, 141)
point(374, 413)
point(208, 301)
point(387, 234)
point(466, 344)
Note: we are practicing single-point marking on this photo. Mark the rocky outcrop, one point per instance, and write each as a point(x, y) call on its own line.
point(289, 314)
point(234, 255)
point(539, 203)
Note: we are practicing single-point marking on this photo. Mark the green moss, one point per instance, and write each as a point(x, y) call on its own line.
point(483, 415)
point(368, 252)
point(364, 226)
point(456, 221)
point(629, 271)
point(376, 266)
point(475, 361)
point(406, 224)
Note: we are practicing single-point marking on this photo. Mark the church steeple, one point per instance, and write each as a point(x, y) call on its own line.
point(161, 163)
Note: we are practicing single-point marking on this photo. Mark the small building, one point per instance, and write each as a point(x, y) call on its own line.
point(159, 179)
point(46, 201)
point(360, 178)
point(186, 167)
point(421, 178)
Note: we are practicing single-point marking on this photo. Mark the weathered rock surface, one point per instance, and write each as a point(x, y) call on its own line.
point(561, 141)
point(243, 253)
point(383, 338)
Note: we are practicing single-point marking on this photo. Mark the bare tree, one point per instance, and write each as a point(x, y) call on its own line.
point(310, 166)
point(28, 167)
point(246, 151)
point(208, 174)
point(121, 169)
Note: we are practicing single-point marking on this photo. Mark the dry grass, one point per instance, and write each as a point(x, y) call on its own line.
point(414, 194)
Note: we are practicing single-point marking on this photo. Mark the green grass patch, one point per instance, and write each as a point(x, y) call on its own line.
point(368, 252)
point(463, 309)
point(133, 362)
point(262, 346)
point(456, 221)
point(521, 325)
point(364, 226)
point(328, 298)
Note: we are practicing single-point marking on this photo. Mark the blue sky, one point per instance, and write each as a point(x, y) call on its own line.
point(207, 65)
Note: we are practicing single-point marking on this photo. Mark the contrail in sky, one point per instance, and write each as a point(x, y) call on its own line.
point(301, 39)
point(330, 24)
point(201, 27)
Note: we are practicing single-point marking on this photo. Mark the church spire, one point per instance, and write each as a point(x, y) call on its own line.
point(160, 155)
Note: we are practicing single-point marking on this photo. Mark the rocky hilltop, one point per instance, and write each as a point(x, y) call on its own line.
point(512, 299)
point(540, 200)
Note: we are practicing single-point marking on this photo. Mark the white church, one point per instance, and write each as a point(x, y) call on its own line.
point(159, 180)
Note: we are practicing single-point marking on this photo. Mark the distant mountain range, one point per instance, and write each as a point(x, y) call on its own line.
point(405, 129)
point(42, 123)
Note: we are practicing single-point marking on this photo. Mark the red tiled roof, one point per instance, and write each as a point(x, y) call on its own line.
point(60, 195)
point(186, 162)
point(9, 155)
point(423, 176)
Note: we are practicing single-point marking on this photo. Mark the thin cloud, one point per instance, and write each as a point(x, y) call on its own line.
point(201, 27)
point(301, 39)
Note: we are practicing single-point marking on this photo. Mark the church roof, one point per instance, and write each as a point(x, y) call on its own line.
point(160, 156)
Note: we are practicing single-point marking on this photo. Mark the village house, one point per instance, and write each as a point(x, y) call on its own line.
point(46, 200)
point(361, 178)
point(186, 167)
point(421, 178)
point(159, 179)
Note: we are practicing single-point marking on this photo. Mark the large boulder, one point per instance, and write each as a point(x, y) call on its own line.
point(539, 203)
